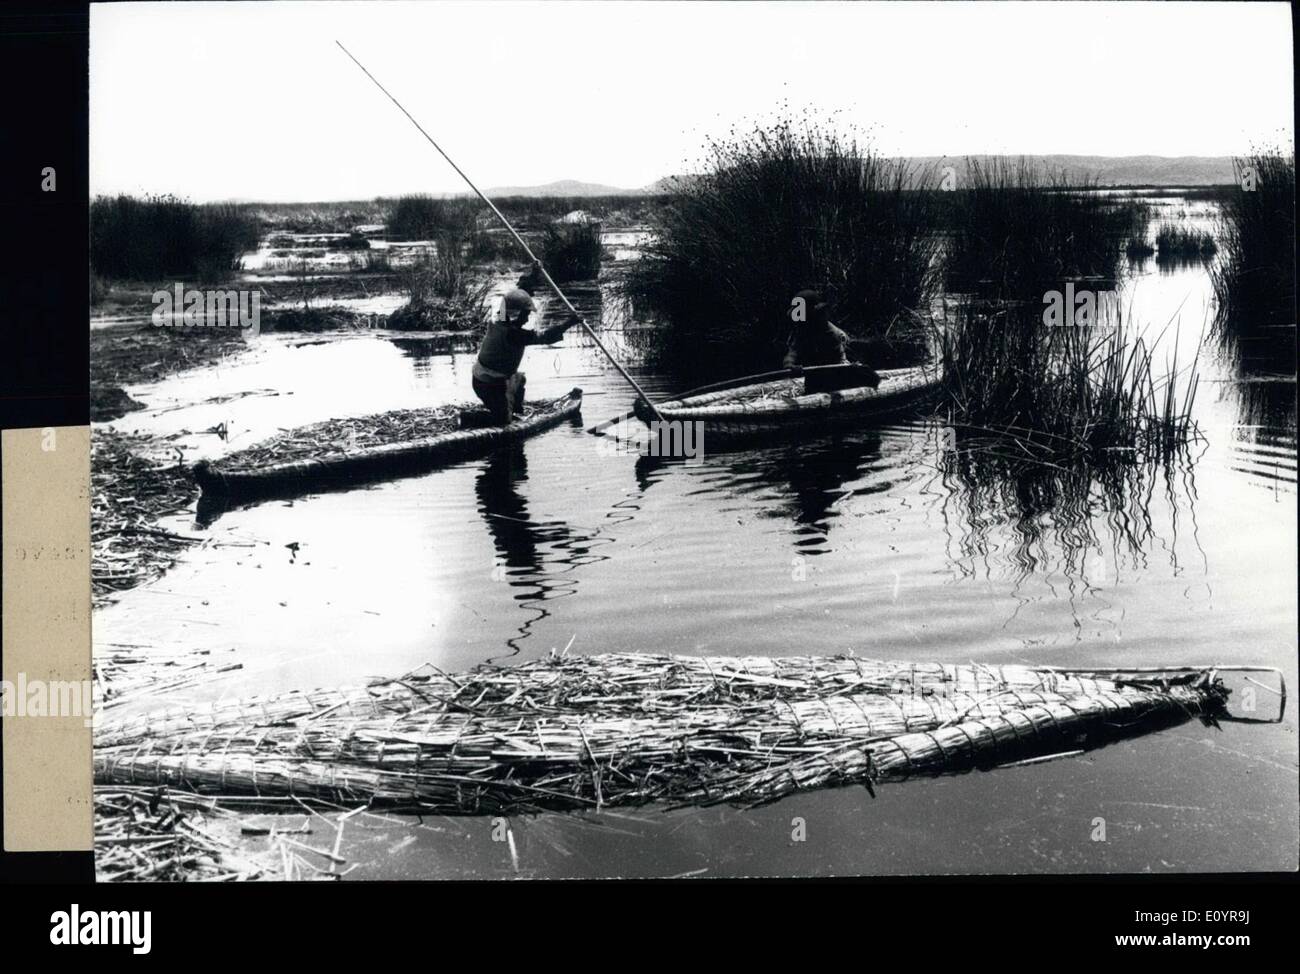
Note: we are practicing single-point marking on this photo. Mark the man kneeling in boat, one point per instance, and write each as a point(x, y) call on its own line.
point(496, 379)
point(816, 341)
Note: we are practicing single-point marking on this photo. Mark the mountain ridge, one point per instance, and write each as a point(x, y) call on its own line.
point(1139, 170)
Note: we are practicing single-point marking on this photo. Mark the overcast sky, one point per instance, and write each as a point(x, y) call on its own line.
point(254, 101)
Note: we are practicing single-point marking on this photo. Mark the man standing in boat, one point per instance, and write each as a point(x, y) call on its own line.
point(496, 379)
point(815, 340)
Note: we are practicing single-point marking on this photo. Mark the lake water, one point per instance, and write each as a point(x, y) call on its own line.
point(870, 542)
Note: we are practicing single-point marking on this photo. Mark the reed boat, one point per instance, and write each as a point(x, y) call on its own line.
point(233, 481)
point(577, 732)
point(784, 400)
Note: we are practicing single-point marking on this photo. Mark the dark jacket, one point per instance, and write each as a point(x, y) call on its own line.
point(503, 347)
point(814, 343)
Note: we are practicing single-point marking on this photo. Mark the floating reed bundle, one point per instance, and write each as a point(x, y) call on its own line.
point(984, 740)
point(343, 453)
point(339, 437)
point(578, 732)
point(611, 683)
point(334, 437)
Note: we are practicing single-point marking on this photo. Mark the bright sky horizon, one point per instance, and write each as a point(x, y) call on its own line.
point(248, 101)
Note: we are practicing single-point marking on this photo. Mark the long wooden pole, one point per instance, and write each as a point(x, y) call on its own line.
point(506, 223)
point(744, 380)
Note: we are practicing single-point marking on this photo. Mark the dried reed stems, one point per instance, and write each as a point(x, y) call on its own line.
point(624, 729)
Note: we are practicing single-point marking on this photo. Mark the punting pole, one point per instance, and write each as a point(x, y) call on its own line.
point(506, 223)
point(744, 380)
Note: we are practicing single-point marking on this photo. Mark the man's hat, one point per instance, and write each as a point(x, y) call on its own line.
point(519, 300)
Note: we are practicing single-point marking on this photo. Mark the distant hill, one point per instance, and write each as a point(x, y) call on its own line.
point(564, 187)
point(1106, 170)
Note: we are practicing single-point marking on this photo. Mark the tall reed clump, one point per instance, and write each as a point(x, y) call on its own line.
point(158, 237)
point(1069, 390)
point(1020, 239)
point(1016, 229)
point(443, 294)
point(421, 217)
point(572, 251)
point(416, 217)
point(1180, 242)
point(441, 273)
point(1133, 217)
point(777, 210)
point(1254, 281)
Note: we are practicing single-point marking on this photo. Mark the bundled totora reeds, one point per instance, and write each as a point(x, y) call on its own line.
point(624, 729)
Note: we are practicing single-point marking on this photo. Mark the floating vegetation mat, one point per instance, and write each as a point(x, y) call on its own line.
point(627, 729)
point(129, 495)
point(124, 674)
point(157, 835)
point(135, 353)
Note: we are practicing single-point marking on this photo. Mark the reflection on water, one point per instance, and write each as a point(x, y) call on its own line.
point(1266, 352)
point(1081, 522)
point(1173, 263)
point(1257, 364)
point(1269, 410)
point(422, 351)
point(805, 479)
point(540, 558)
point(519, 541)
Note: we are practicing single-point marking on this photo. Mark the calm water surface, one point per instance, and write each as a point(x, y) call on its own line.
point(873, 542)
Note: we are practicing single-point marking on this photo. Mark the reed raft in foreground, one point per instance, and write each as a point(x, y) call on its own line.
point(626, 729)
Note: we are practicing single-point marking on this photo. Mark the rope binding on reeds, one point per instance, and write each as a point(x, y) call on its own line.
point(572, 732)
